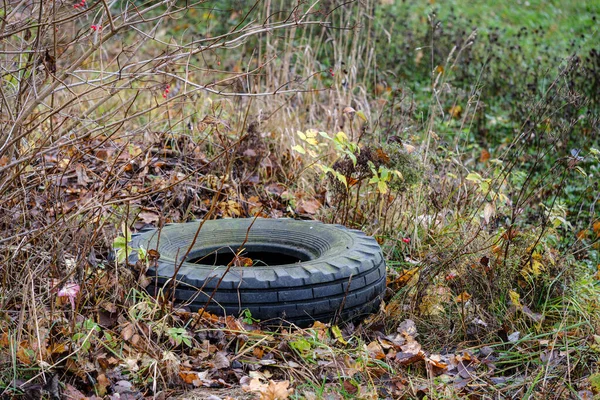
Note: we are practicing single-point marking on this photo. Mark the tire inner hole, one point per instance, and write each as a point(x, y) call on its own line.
point(252, 255)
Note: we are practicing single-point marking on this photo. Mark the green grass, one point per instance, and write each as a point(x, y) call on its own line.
point(557, 21)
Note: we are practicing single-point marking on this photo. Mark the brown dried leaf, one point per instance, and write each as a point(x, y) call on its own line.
point(488, 212)
point(407, 327)
point(436, 361)
point(349, 387)
point(308, 206)
point(23, 356)
point(188, 376)
point(411, 352)
point(275, 188)
point(220, 360)
point(240, 261)
point(82, 178)
point(276, 391)
point(463, 297)
point(252, 384)
point(485, 155)
point(148, 217)
point(69, 392)
point(102, 384)
point(376, 351)
point(128, 331)
point(408, 148)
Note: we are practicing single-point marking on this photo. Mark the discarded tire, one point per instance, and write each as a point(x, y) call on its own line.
point(303, 271)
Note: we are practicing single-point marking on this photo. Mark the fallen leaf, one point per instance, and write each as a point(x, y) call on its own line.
point(188, 376)
point(220, 360)
point(407, 327)
point(463, 297)
point(276, 391)
point(382, 156)
point(337, 333)
point(515, 299)
point(436, 361)
point(69, 392)
point(251, 384)
point(148, 217)
point(102, 384)
point(513, 337)
point(349, 387)
point(127, 332)
point(375, 351)
point(411, 352)
point(308, 206)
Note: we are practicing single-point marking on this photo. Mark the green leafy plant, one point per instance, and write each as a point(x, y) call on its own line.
point(121, 244)
point(83, 338)
point(247, 317)
point(179, 336)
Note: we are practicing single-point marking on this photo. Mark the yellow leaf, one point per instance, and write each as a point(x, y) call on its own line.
point(455, 111)
point(337, 333)
point(382, 187)
point(312, 141)
point(341, 137)
point(299, 149)
point(361, 115)
point(515, 299)
point(301, 135)
point(536, 267)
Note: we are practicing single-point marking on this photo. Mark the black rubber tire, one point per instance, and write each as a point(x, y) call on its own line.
point(340, 275)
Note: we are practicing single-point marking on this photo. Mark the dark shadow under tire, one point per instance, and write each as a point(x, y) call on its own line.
point(304, 271)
